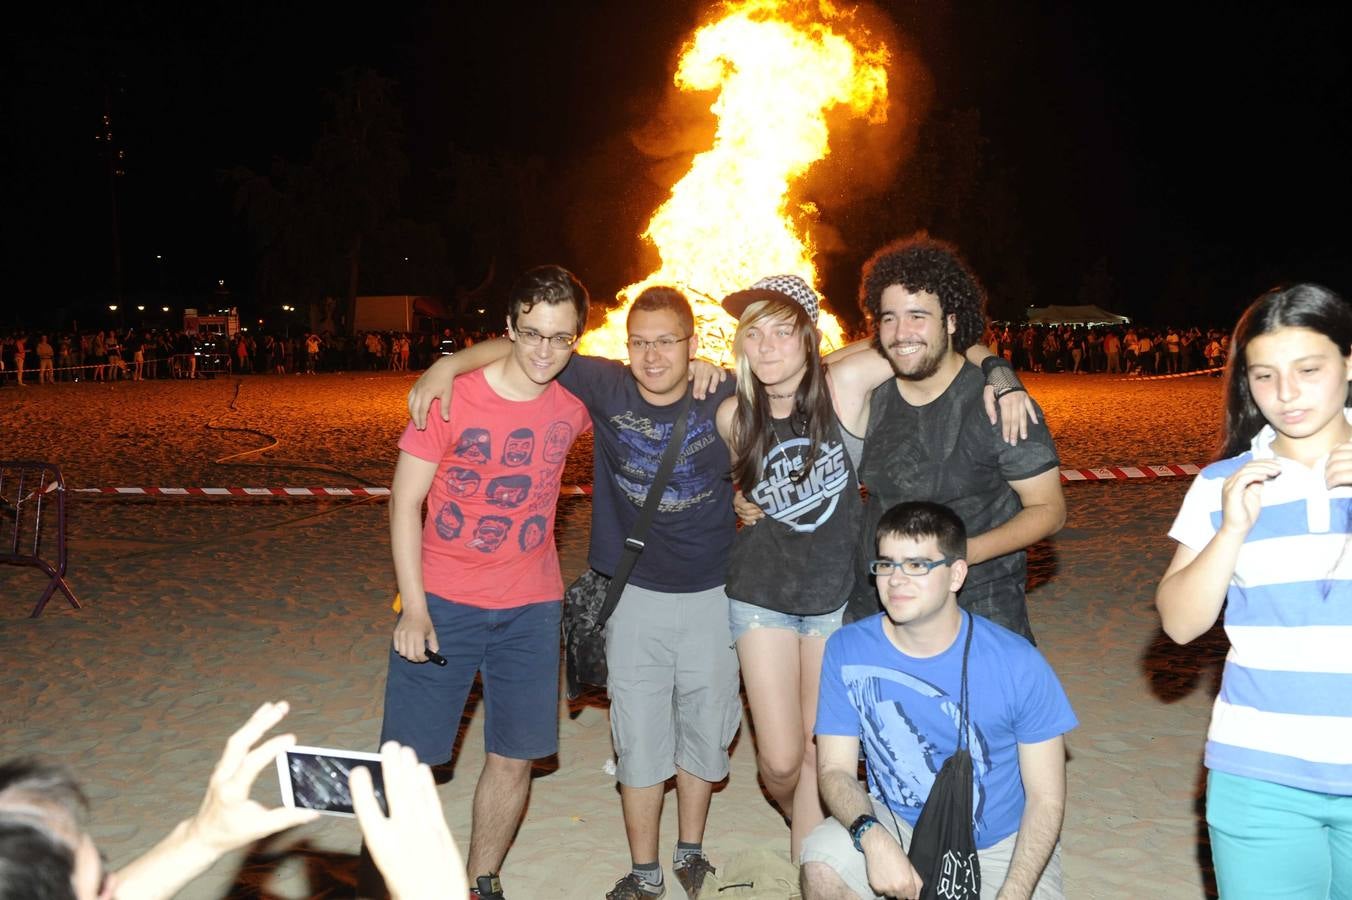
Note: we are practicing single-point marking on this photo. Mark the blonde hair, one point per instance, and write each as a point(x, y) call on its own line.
point(753, 433)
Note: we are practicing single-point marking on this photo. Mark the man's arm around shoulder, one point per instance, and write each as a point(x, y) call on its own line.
point(853, 372)
point(1042, 766)
point(436, 382)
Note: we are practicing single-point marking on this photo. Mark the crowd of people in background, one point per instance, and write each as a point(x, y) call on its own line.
point(1113, 349)
point(137, 354)
point(143, 354)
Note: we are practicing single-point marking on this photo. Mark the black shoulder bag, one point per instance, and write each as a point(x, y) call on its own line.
point(943, 848)
point(592, 597)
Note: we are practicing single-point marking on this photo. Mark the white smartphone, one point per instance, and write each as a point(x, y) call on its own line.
point(316, 778)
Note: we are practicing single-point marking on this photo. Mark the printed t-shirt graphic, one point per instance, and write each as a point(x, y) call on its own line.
point(488, 538)
point(645, 441)
point(904, 710)
point(806, 504)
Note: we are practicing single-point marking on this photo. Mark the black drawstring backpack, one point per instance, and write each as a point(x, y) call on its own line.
point(943, 849)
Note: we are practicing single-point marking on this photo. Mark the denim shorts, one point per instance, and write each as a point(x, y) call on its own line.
point(742, 617)
point(516, 653)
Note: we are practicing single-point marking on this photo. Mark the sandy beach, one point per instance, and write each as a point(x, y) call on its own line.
point(196, 610)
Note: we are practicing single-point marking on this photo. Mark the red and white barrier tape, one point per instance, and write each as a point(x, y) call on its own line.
point(1115, 473)
point(238, 491)
point(1068, 476)
point(122, 362)
point(1173, 375)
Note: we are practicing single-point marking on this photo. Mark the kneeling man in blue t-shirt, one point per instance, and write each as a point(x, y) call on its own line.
point(894, 681)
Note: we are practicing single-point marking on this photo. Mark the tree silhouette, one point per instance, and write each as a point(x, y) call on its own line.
point(311, 222)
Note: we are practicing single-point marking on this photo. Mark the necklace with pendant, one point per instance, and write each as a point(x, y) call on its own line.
point(797, 423)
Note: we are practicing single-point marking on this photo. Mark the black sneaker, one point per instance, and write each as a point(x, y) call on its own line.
point(690, 872)
point(487, 887)
point(631, 887)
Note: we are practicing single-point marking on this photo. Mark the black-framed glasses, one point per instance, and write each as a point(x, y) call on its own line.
point(557, 341)
point(638, 345)
point(915, 568)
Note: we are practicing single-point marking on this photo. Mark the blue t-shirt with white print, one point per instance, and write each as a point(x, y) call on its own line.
point(905, 712)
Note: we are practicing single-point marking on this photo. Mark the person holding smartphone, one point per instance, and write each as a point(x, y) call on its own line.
point(45, 850)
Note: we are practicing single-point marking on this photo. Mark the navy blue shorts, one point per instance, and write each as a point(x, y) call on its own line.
point(517, 652)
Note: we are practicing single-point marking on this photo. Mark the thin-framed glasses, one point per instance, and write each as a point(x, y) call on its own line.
point(915, 568)
point(638, 345)
point(556, 341)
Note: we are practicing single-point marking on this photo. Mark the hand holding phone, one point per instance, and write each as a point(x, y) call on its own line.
point(412, 846)
point(226, 820)
point(317, 778)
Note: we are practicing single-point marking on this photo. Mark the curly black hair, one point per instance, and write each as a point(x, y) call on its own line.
point(922, 263)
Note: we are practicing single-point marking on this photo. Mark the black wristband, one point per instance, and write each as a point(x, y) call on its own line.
point(992, 362)
point(1000, 375)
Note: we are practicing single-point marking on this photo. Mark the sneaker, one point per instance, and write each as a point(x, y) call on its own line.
point(487, 887)
point(631, 887)
point(690, 872)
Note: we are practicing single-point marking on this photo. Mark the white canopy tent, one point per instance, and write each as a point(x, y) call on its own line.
point(1074, 315)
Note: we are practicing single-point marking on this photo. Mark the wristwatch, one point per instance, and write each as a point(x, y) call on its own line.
point(857, 829)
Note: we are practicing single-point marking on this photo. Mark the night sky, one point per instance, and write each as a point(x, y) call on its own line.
point(1179, 160)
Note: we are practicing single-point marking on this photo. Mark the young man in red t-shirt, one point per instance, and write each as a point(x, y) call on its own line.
point(479, 579)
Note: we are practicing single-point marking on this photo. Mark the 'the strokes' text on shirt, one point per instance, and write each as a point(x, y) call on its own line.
point(809, 502)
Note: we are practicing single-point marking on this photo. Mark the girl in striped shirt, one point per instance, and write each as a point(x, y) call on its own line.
point(1264, 533)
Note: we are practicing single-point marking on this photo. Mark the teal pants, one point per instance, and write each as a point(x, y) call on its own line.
point(1270, 841)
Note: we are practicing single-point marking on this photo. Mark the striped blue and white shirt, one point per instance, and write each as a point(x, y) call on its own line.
point(1284, 713)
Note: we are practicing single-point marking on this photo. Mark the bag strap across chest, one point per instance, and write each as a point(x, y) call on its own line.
point(633, 545)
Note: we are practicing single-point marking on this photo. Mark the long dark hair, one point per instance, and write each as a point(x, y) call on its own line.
point(753, 430)
point(1308, 306)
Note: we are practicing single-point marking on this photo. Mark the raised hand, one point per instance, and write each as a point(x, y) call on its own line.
point(412, 847)
point(1242, 494)
point(1338, 470)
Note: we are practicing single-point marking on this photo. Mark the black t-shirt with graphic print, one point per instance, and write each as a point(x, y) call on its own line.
point(799, 559)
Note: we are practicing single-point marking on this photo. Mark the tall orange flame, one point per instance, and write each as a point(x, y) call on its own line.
point(729, 220)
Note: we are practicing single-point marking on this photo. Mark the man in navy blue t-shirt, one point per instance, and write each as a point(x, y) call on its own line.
point(893, 680)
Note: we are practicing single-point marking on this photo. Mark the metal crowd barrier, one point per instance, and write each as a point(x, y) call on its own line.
point(28, 489)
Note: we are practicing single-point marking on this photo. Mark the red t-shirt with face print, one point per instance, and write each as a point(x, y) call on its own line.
point(488, 538)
